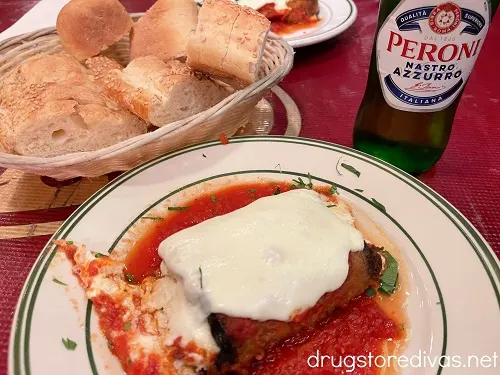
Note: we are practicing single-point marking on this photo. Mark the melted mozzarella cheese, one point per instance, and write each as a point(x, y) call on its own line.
point(257, 4)
point(268, 260)
point(185, 319)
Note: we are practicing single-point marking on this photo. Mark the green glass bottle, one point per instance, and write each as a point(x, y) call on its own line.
point(423, 54)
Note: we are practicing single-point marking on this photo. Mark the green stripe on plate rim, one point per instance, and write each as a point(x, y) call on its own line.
point(454, 215)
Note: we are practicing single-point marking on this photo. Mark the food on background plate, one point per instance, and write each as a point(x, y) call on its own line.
point(162, 92)
point(286, 16)
point(229, 42)
point(52, 106)
point(251, 278)
point(164, 30)
point(88, 27)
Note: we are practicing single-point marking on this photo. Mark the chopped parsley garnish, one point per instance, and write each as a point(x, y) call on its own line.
point(331, 205)
point(379, 205)
point(300, 184)
point(370, 292)
point(252, 191)
point(389, 279)
point(155, 218)
point(127, 326)
point(58, 282)
point(129, 278)
point(213, 198)
point(204, 155)
point(176, 208)
point(333, 189)
point(69, 344)
point(359, 190)
point(110, 345)
point(277, 191)
point(99, 255)
point(351, 169)
point(69, 243)
point(201, 277)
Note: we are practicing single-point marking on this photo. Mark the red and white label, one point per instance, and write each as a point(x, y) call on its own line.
point(426, 52)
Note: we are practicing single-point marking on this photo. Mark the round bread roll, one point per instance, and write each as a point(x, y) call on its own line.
point(87, 27)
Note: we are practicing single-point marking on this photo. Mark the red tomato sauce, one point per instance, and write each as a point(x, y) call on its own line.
point(358, 329)
point(143, 260)
point(280, 23)
point(282, 28)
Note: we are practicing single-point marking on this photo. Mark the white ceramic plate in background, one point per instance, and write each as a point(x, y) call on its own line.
point(454, 277)
point(336, 16)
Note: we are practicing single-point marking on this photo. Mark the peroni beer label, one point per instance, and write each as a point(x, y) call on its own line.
point(426, 52)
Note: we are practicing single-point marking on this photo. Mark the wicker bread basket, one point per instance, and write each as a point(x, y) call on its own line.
point(226, 117)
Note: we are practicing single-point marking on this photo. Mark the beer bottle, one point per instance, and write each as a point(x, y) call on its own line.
point(423, 54)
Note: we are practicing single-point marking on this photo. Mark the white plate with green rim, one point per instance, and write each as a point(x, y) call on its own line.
point(454, 277)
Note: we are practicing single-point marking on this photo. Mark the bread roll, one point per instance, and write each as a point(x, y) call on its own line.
point(161, 92)
point(50, 107)
point(229, 42)
point(164, 30)
point(99, 67)
point(87, 27)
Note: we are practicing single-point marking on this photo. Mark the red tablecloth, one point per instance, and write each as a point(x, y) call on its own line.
point(327, 82)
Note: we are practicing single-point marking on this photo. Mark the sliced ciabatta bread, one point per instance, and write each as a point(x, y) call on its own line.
point(229, 42)
point(162, 92)
point(51, 107)
point(87, 27)
point(164, 30)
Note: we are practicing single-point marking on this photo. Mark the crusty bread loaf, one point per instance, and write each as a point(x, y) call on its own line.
point(50, 106)
point(229, 42)
point(99, 67)
point(164, 30)
point(162, 92)
point(87, 27)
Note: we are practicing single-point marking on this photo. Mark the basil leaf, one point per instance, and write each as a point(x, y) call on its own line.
point(370, 292)
point(69, 344)
point(129, 278)
point(175, 208)
point(351, 169)
point(333, 189)
point(379, 205)
point(100, 255)
point(331, 205)
point(389, 279)
point(58, 282)
point(69, 243)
